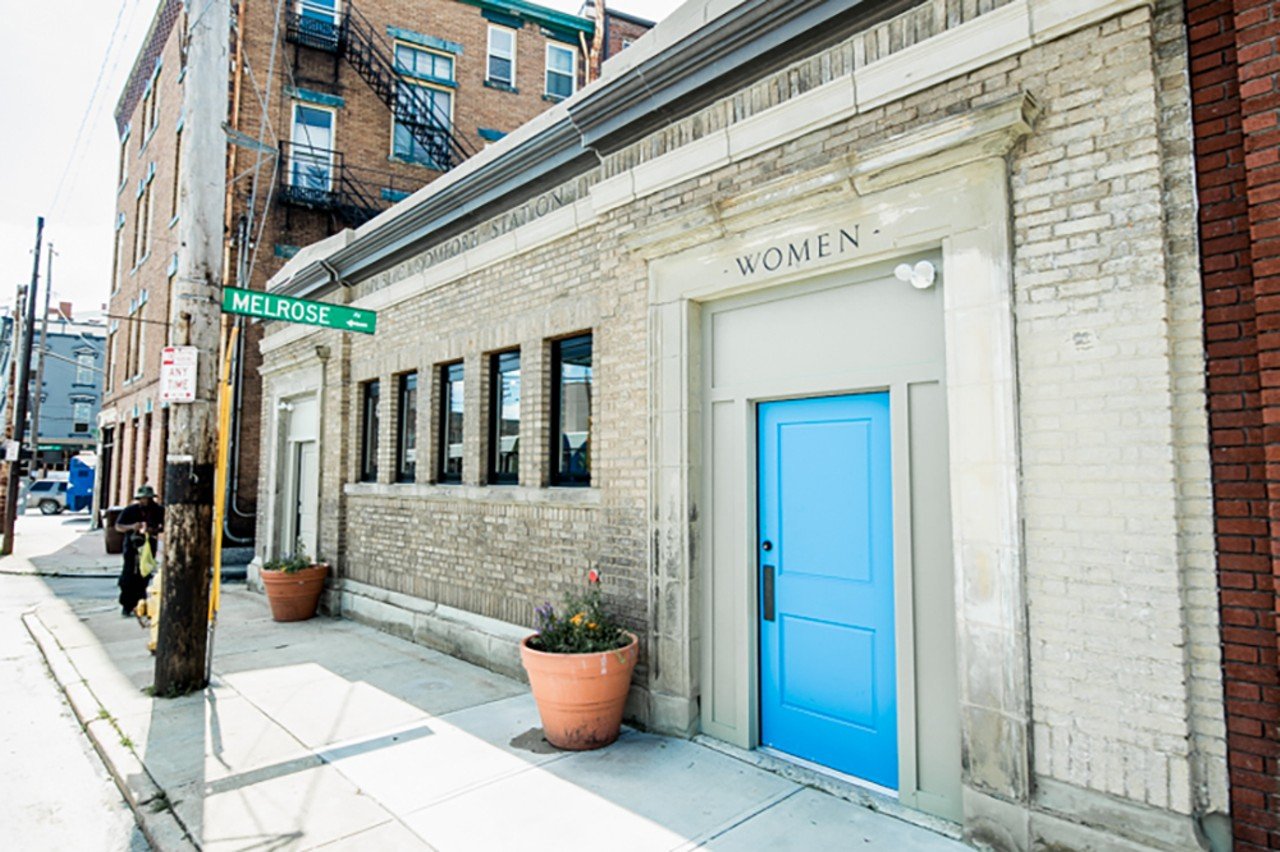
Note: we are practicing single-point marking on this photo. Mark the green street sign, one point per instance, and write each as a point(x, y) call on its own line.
point(251, 303)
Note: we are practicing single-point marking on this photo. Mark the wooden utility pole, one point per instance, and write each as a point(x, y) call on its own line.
point(44, 342)
point(194, 320)
point(20, 394)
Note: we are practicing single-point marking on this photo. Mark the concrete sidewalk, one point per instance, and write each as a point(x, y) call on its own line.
point(327, 733)
point(59, 546)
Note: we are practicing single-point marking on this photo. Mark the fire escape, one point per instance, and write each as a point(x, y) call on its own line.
point(318, 178)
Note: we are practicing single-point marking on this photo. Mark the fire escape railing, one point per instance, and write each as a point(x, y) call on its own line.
point(350, 35)
point(320, 179)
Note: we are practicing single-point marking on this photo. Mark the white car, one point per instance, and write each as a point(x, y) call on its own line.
point(48, 495)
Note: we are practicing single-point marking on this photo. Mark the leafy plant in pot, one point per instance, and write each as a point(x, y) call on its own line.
point(293, 585)
point(579, 665)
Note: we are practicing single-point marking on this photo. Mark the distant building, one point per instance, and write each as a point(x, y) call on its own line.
point(365, 103)
point(70, 384)
point(621, 30)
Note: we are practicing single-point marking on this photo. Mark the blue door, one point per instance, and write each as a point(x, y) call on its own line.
point(827, 672)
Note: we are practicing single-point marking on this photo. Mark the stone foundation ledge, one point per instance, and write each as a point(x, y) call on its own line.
point(487, 642)
point(479, 640)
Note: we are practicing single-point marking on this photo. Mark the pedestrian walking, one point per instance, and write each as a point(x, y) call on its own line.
point(142, 522)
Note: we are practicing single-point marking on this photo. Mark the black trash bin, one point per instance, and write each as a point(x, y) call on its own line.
point(111, 537)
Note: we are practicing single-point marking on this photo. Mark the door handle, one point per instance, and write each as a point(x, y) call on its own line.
point(768, 592)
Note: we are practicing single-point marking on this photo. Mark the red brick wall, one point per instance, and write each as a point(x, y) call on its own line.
point(1235, 63)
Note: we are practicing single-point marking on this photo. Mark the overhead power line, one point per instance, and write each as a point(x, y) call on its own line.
point(73, 158)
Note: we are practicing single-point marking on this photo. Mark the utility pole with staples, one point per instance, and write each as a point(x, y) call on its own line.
point(194, 322)
point(20, 394)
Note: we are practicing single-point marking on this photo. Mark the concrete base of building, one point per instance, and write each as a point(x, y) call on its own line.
point(1064, 816)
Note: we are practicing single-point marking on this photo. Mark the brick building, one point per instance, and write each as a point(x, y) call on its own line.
point(946, 251)
point(1235, 81)
point(335, 111)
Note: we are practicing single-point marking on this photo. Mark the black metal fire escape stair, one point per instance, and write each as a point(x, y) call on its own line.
point(355, 40)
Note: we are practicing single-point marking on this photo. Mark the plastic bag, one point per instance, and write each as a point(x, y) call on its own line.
point(146, 559)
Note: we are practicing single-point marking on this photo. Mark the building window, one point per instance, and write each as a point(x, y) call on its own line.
point(155, 105)
point(571, 411)
point(502, 56)
point(369, 432)
point(81, 415)
point(177, 171)
point(407, 428)
point(504, 407)
point(84, 369)
point(311, 162)
point(142, 221)
point(318, 20)
point(124, 158)
point(426, 139)
point(562, 70)
point(110, 364)
point(116, 272)
point(452, 392)
point(424, 64)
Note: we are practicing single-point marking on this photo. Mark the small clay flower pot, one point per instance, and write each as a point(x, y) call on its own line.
point(580, 697)
point(294, 596)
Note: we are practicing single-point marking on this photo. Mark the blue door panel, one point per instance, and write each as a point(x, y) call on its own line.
point(828, 686)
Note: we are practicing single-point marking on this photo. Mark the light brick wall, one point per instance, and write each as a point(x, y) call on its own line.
point(1114, 467)
point(1118, 560)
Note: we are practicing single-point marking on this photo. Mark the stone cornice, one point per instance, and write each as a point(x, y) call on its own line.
point(990, 131)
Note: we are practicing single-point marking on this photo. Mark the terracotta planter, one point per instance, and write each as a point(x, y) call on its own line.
point(580, 697)
point(294, 597)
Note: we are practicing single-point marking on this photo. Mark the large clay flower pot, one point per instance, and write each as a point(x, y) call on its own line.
point(580, 697)
point(295, 596)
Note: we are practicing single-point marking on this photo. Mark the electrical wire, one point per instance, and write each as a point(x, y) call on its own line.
point(76, 155)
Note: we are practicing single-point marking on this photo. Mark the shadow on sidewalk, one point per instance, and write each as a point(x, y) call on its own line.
point(327, 731)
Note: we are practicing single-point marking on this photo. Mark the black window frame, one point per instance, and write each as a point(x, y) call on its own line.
point(496, 477)
point(559, 478)
point(370, 398)
point(406, 471)
point(442, 449)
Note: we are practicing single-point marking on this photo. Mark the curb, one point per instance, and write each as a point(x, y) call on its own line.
point(83, 575)
point(159, 823)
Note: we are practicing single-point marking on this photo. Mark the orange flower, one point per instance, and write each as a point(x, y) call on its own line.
point(578, 619)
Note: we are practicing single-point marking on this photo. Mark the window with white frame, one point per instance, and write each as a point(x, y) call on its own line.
point(124, 157)
point(311, 168)
point(142, 220)
point(425, 95)
point(562, 70)
point(501, 67)
point(85, 368)
point(155, 104)
point(81, 415)
point(110, 365)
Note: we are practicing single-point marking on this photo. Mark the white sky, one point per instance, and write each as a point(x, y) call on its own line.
point(47, 82)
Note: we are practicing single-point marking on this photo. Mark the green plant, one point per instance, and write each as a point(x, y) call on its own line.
point(289, 564)
point(583, 626)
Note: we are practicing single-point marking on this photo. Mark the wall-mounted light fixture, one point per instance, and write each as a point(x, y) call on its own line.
point(921, 275)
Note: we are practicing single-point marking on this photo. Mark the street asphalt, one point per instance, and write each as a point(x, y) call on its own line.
point(329, 734)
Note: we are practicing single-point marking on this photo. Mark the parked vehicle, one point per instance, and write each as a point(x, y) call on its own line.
point(48, 495)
